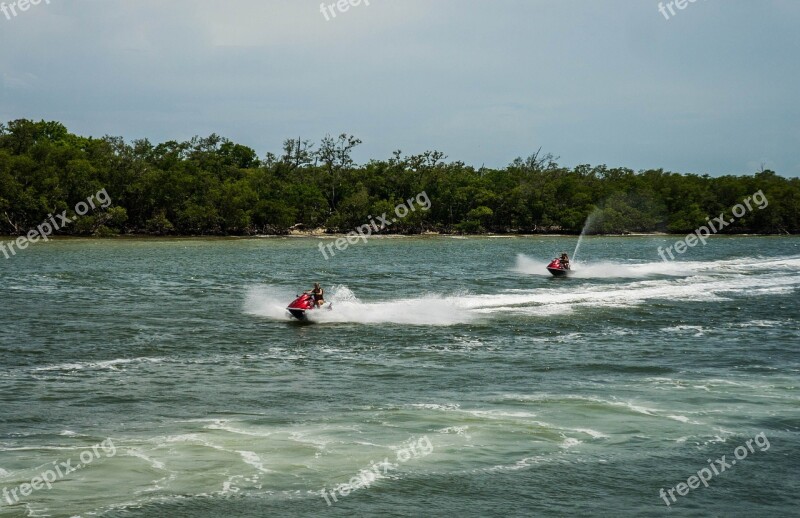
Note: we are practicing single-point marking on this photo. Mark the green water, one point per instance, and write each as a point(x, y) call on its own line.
point(488, 387)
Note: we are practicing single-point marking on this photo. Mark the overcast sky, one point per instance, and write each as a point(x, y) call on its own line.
point(714, 89)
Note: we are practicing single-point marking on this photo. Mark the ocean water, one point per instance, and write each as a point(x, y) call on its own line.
point(453, 377)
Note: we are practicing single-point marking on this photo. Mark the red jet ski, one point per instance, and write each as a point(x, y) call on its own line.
point(558, 269)
point(302, 305)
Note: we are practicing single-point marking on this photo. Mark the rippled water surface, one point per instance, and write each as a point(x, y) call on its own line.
point(453, 377)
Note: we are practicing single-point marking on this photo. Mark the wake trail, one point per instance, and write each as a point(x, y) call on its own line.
point(646, 282)
point(618, 270)
point(430, 310)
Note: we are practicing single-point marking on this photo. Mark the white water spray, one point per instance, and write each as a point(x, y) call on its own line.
point(429, 310)
point(586, 226)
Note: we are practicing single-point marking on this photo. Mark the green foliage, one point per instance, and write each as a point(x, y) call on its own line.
point(159, 224)
point(214, 186)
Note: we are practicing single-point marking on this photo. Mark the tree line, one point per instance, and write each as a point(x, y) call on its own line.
point(213, 186)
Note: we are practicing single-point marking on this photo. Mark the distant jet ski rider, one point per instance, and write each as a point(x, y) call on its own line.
point(565, 261)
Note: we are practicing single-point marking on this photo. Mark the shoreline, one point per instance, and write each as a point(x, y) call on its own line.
point(304, 235)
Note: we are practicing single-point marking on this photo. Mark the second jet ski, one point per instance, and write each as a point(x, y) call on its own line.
point(304, 303)
point(558, 268)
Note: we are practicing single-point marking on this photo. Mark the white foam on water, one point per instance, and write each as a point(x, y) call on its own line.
point(500, 414)
point(228, 487)
point(635, 408)
point(519, 465)
point(534, 266)
point(710, 281)
point(759, 323)
point(432, 310)
point(683, 328)
point(496, 414)
point(594, 434)
point(43, 447)
point(107, 365)
point(530, 266)
point(695, 288)
point(708, 384)
point(62, 367)
point(696, 331)
point(155, 464)
point(570, 442)
point(606, 269)
point(434, 406)
point(224, 426)
point(682, 419)
point(458, 430)
point(557, 399)
point(609, 270)
point(315, 442)
point(777, 290)
point(252, 458)
point(267, 301)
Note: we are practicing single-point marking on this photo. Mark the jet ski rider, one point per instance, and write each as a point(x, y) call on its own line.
point(565, 261)
point(319, 295)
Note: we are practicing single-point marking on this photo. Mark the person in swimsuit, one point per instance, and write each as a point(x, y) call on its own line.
point(319, 295)
point(565, 261)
